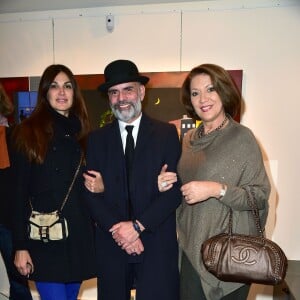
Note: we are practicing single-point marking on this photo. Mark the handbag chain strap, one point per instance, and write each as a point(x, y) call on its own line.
point(70, 187)
point(253, 204)
point(254, 209)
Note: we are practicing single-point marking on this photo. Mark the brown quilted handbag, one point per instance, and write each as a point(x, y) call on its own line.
point(245, 258)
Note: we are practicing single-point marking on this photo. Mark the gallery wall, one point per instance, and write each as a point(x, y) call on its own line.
point(259, 37)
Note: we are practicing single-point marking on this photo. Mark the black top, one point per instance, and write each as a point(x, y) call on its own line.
point(6, 190)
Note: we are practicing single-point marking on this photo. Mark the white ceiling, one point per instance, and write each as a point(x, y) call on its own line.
point(17, 6)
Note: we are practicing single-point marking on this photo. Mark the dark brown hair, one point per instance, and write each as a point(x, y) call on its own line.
point(6, 106)
point(223, 84)
point(33, 135)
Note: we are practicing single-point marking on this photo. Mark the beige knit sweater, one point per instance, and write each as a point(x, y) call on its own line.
point(231, 156)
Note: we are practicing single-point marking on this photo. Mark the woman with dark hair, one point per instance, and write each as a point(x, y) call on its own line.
point(18, 285)
point(48, 149)
point(220, 163)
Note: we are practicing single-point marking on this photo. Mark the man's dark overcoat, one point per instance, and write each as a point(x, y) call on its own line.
point(157, 144)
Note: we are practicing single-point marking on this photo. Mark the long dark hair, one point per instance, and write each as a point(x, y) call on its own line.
point(33, 135)
point(223, 84)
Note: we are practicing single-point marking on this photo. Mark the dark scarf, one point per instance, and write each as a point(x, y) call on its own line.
point(63, 125)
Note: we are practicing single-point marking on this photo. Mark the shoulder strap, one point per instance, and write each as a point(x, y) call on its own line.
point(253, 204)
point(70, 187)
point(254, 209)
point(72, 183)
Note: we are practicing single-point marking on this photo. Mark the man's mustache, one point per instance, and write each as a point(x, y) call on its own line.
point(120, 103)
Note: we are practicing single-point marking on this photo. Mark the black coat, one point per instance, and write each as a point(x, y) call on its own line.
point(5, 197)
point(157, 144)
point(6, 191)
point(47, 185)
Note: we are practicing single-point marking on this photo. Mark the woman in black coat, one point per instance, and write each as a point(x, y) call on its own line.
point(49, 145)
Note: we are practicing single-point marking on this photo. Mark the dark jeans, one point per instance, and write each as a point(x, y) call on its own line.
point(18, 284)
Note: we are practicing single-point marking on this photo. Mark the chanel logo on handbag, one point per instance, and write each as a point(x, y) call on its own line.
point(50, 226)
point(243, 255)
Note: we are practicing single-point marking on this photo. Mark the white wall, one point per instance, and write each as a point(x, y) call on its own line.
point(260, 37)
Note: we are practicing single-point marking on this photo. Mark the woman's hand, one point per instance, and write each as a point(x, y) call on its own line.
point(166, 179)
point(198, 191)
point(23, 262)
point(93, 181)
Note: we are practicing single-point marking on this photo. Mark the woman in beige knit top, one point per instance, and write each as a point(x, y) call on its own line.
point(221, 161)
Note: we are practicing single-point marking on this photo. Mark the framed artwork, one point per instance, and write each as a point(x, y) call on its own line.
point(162, 100)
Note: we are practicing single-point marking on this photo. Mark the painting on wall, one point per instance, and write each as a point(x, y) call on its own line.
point(162, 100)
point(13, 86)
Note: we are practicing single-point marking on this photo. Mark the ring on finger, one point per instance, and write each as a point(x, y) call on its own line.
point(164, 184)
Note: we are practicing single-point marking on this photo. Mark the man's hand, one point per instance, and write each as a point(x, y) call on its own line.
point(124, 234)
point(135, 248)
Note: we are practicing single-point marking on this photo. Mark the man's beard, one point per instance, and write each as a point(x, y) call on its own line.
point(128, 114)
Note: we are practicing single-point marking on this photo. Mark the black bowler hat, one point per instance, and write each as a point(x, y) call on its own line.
point(121, 71)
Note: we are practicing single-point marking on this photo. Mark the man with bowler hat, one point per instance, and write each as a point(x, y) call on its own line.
point(136, 239)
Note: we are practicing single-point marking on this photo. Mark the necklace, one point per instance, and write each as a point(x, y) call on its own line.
point(201, 129)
